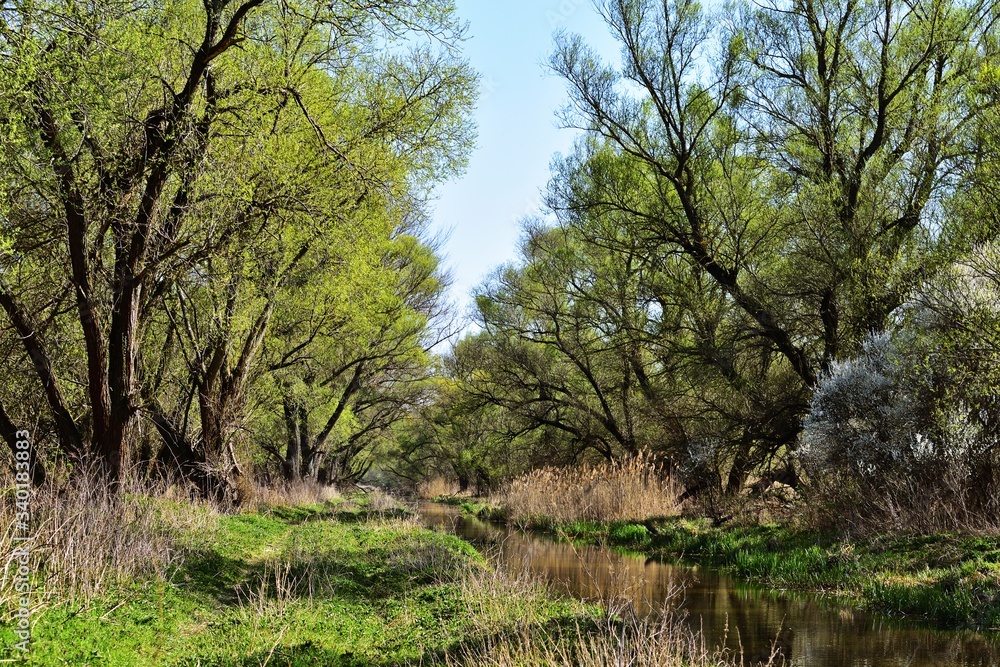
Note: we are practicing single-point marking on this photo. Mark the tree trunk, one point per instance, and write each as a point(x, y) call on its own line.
point(8, 430)
point(70, 437)
point(177, 453)
point(740, 468)
point(292, 465)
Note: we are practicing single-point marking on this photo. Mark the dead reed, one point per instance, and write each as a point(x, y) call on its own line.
point(631, 489)
point(436, 487)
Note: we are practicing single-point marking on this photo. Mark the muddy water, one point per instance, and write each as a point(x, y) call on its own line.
point(805, 630)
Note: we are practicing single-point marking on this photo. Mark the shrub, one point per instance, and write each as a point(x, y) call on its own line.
point(864, 417)
point(906, 435)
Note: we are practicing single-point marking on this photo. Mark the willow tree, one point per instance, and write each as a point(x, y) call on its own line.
point(800, 155)
point(136, 147)
point(345, 383)
point(562, 347)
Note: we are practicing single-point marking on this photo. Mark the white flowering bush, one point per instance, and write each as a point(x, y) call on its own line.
point(909, 430)
point(865, 417)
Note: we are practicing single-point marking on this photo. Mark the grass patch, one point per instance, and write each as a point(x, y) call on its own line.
point(485, 511)
point(454, 501)
point(338, 583)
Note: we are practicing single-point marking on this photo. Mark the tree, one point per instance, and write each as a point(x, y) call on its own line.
point(799, 168)
point(344, 391)
point(143, 142)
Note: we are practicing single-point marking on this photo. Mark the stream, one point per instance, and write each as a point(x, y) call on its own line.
point(807, 630)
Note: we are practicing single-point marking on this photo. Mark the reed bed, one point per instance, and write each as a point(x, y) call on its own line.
point(437, 487)
point(632, 489)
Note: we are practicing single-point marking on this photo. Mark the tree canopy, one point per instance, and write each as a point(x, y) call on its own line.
point(756, 194)
point(207, 206)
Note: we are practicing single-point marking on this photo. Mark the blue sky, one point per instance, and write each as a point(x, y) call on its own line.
point(509, 42)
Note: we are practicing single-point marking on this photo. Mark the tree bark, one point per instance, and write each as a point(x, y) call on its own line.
point(8, 430)
point(70, 437)
point(292, 463)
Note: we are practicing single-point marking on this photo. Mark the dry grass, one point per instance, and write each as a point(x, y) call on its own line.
point(903, 505)
point(437, 487)
point(86, 539)
point(303, 492)
point(272, 591)
point(664, 641)
point(381, 502)
point(508, 597)
point(629, 490)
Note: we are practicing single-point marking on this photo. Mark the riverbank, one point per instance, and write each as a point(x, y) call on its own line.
point(337, 583)
point(950, 580)
point(350, 581)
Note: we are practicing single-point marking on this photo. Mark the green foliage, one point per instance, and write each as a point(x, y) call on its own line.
point(628, 534)
point(755, 194)
point(234, 196)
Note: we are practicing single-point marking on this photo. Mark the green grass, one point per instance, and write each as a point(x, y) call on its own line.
point(455, 501)
point(336, 584)
point(484, 511)
point(951, 580)
point(476, 507)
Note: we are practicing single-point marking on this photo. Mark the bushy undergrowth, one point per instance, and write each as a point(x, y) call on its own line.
point(635, 488)
point(889, 447)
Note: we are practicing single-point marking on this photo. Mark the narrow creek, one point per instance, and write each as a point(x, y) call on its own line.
point(807, 630)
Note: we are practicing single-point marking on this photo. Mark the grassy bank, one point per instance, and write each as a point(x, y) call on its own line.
point(338, 583)
point(349, 581)
point(952, 580)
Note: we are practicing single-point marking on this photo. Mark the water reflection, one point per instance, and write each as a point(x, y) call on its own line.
point(803, 629)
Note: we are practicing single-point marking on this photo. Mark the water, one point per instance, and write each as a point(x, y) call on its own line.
point(807, 631)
